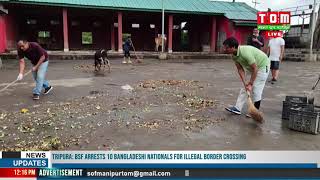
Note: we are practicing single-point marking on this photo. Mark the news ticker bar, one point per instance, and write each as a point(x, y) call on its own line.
point(159, 173)
point(160, 159)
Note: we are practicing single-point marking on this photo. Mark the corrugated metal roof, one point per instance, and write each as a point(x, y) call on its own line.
point(232, 10)
point(245, 23)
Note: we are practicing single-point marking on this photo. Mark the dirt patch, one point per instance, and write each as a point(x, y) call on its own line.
point(152, 105)
point(160, 83)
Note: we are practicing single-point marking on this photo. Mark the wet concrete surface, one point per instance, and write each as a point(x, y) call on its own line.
point(88, 110)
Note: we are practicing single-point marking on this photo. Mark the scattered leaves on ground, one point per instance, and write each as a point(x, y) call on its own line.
point(73, 123)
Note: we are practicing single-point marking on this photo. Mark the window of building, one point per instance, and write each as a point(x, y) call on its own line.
point(31, 21)
point(176, 27)
point(96, 24)
point(135, 25)
point(87, 38)
point(152, 26)
point(54, 22)
point(75, 23)
point(183, 24)
point(44, 34)
point(115, 24)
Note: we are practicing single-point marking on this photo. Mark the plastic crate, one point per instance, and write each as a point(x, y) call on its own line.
point(287, 106)
point(296, 99)
point(304, 120)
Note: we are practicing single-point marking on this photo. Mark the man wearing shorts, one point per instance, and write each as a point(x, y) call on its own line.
point(276, 52)
point(256, 63)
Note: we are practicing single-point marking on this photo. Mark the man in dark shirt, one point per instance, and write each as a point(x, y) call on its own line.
point(255, 39)
point(39, 59)
point(126, 48)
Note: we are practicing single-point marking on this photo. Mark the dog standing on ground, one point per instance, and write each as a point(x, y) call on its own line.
point(100, 58)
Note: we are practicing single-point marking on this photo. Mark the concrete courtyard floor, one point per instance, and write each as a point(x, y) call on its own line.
point(174, 105)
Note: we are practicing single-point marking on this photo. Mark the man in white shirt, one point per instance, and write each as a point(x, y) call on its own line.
point(275, 52)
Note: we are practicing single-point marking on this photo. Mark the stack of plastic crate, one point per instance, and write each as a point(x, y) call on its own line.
point(294, 102)
point(304, 120)
point(302, 116)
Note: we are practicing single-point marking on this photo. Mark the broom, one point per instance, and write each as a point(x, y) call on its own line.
point(134, 50)
point(7, 86)
point(252, 110)
point(311, 93)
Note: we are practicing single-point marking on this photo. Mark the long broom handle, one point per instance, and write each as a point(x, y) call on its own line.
point(7, 86)
point(134, 50)
point(314, 87)
point(244, 84)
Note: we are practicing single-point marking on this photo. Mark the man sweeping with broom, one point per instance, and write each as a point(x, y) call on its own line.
point(255, 62)
point(126, 48)
point(39, 59)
